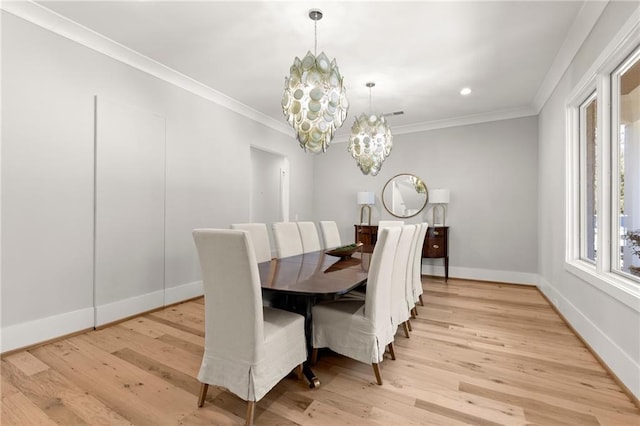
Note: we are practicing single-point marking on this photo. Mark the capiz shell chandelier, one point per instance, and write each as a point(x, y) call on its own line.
point(371, 140)
point(314, 101)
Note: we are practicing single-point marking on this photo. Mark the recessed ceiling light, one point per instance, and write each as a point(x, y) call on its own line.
point(465, 91)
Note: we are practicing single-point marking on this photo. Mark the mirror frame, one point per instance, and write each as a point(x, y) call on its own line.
point(426, 198)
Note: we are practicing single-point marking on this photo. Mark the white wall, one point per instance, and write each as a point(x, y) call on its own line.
point(491, 172)
point(609, 326)
point(48, 89)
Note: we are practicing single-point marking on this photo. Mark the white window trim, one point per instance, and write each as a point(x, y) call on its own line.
point(597, 77)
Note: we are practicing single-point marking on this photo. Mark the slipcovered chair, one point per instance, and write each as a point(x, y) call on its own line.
point(248, 348)
point(400, 311)
point(287, 238)
point(330, 234)
point(309, 237)
point(260, 238)
point(417, 265)
point(408, 285)
point(388, 223)
point(361, 329)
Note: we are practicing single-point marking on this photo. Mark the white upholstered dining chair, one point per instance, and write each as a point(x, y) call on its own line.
point(263, 345)
point(260, 238)
point(417, 265)
point(361, 329)
point(330, 234)
point(287, 238)
point(389, 223)
point(400, 311)
point(309, 236)
point(408, 286)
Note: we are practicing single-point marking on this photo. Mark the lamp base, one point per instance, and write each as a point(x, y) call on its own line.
point(434, 214)
point(362, 222)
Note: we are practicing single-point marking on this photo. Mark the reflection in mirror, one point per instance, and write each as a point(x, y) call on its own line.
point(405, 195)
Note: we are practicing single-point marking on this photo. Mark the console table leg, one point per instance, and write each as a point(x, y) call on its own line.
point(446, 269)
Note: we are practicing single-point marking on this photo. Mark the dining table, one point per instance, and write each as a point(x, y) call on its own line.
point(297, 283)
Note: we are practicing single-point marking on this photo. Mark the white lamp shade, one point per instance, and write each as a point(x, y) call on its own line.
point(367, 198)
point(439, 196)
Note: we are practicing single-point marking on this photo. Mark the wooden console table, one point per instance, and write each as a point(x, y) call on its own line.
point(435, 246)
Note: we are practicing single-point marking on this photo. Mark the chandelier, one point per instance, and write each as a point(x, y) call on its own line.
point(314, 101)
point(371, 140)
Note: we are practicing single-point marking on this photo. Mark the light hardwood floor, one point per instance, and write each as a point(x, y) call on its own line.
point(479, 354)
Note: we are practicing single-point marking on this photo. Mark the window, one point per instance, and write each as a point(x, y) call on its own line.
point(625, 90)
point(603, 180)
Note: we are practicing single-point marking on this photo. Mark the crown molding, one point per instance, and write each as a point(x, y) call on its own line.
point(577, 34)
point(58, 24)
point(455, 122)
point(466, 120)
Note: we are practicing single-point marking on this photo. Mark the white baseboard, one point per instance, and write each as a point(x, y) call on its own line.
point(43, 329)
point(626, 369)
point(511, 277)
point(183, 292)
point(40, 330)
point(115, 311)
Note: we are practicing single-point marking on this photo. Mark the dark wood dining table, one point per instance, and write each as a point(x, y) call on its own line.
point(297, 283)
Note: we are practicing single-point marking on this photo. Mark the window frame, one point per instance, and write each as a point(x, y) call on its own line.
point(598, 79)
point(625, 65)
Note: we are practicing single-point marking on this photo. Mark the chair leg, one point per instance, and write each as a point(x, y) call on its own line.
point(415, 310)
point(405, 327)
point(421, 301)
point(314, 356)
point(391, 351)
point(204, 387)
point(376, 371)
point(409, 325)
point(299, 372)
point(251, 408)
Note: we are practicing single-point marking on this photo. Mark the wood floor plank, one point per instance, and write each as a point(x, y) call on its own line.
point(155, 329)
point(61, 400)
point(18, 410)
point(533, 405)
point(135, 394)
point(187, 362)
point(479, 354)
point(27, 363)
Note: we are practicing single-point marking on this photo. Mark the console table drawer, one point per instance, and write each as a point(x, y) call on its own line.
point(434, 247)
point(436, 242)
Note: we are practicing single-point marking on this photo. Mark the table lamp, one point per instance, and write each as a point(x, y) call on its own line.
point(438, 197)
point(366, 200)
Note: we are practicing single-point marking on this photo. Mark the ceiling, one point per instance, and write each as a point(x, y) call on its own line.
point(419, 53)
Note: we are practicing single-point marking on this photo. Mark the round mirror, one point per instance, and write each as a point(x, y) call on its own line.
point(405, 195)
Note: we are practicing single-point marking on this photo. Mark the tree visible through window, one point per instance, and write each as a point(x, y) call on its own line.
point(588, 177)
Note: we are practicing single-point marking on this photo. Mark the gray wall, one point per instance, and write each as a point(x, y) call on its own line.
point(491, 172)
point(607, 318)
point(48, 89)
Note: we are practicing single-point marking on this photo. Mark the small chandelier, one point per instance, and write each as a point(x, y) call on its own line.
point(314, 101)
point(371, 140)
